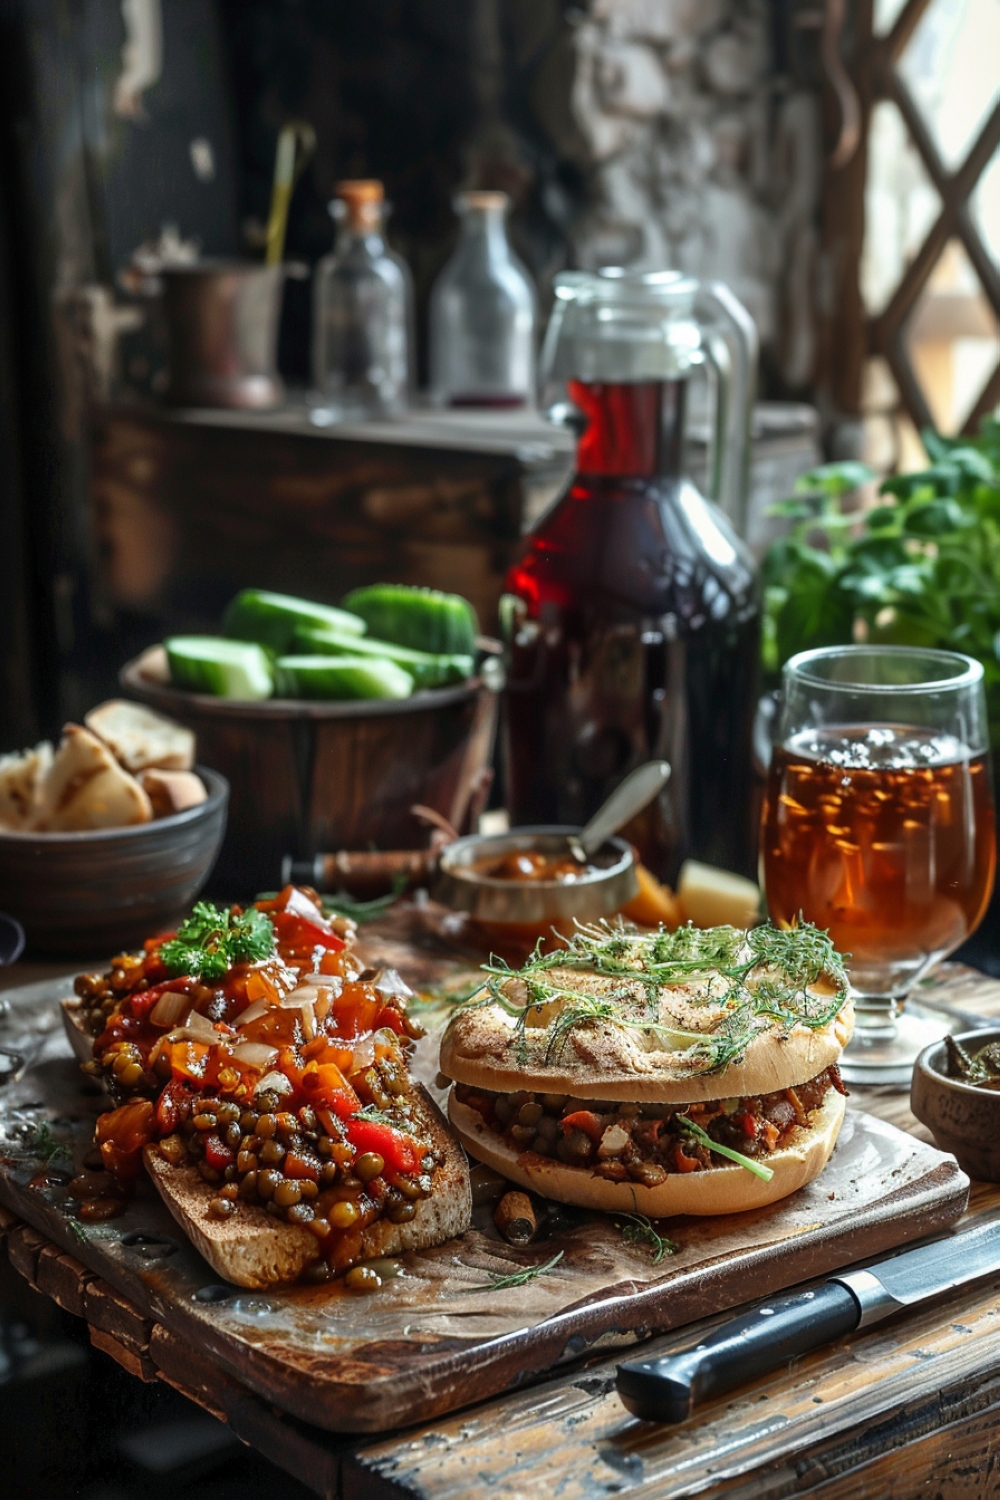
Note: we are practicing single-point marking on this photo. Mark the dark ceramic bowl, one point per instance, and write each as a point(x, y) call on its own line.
point(103, 891)
point(962, 1119)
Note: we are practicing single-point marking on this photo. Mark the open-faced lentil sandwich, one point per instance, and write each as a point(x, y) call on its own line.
point(692, 1072)
point(260, 1074)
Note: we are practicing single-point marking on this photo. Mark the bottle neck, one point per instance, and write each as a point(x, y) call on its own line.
point(484, 230)
point(634, 429)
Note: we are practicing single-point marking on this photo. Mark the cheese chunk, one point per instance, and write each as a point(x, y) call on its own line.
point(716, 898)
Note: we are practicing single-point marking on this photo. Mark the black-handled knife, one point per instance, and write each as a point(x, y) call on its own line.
point(665, 1390)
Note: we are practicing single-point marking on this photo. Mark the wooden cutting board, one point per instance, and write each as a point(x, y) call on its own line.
point(440, 1335)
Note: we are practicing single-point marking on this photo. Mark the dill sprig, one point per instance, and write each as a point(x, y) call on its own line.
point(762, 977)
point(499, 1283)
point(43, 1144)
point(639, 1230)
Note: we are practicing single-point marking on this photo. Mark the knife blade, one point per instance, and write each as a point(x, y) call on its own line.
point(666, 1389)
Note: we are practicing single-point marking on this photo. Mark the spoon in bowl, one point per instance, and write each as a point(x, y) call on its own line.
point(628, 798)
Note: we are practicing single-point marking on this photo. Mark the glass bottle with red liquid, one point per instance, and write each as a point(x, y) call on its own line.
point(632, 620)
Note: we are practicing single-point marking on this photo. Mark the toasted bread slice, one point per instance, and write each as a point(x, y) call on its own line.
point(86, 788)
point(140, 738)
point(21, 776)
point(80, 1038)
point(172, 791)
point(255, 1250)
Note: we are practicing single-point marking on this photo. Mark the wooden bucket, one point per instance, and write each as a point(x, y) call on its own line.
point(308, 778)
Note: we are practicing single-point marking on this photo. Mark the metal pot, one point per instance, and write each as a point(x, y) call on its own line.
point(222, 333)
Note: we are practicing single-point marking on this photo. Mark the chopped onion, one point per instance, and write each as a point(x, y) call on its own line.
point(390, 982)
point(255, 1054)
point(364, 1052)
point(168, 1009)
point(255, 1011)
point(324, 999)
point(198, 1028)
point(276, 1082)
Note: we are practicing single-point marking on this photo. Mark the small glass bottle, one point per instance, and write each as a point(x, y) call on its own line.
point(482, 314)
point(362, 312)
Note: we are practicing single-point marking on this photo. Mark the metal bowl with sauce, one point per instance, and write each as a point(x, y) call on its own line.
point(529, 905)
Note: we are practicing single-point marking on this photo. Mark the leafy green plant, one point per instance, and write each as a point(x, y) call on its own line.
point(921, 568)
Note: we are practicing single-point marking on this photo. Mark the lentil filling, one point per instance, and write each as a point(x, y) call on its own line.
point(646, 1143)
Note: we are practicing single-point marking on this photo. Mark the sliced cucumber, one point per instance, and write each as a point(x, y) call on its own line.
point(423, 619)
point(226, 669)
point(272, 619)
point(340, 677)
point(426, 670)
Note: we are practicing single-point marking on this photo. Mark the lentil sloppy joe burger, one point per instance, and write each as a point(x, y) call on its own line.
point(692, 1072)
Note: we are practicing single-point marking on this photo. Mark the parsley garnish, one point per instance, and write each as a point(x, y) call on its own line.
point(214, 938)
point(375, 1116)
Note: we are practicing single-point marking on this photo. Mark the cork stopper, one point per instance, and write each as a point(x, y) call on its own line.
point(482, 198)
point(363, 198)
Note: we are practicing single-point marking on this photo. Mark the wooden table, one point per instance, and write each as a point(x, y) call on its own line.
point(910, 1408)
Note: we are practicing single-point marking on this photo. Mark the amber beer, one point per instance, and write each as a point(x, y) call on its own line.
point(885, 836)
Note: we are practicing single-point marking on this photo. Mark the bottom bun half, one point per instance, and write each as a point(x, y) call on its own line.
point(714, 1190)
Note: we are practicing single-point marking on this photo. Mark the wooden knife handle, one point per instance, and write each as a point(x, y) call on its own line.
point(364, 873)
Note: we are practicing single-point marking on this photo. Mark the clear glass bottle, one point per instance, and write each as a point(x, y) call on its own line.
point(632, 619)
point(482, 314)
point(362, 312)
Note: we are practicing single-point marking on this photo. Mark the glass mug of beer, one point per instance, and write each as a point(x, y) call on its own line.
point(878, 825)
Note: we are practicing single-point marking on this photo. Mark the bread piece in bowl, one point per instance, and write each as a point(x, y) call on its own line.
point(140, 738)
point(254, 1250)
point(85, 788)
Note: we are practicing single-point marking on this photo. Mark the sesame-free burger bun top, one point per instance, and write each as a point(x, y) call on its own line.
point(598, 1059)
point(714, 1190)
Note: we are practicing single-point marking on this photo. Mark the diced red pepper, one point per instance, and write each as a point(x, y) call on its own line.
point(121, 1135)
point(173, 1106)
point(392, 1018)
point(685, 1163)
point(585, 1120)
point(301, 1166)
point(217, 1153)
point(327, 1088)
point(748, 1125)
point(399, 1152)
point(189, 1060)
point(143, 1001)
point(298, 922)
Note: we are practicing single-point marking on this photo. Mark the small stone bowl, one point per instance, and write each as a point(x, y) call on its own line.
point(509, 915)
point(963, 1119)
